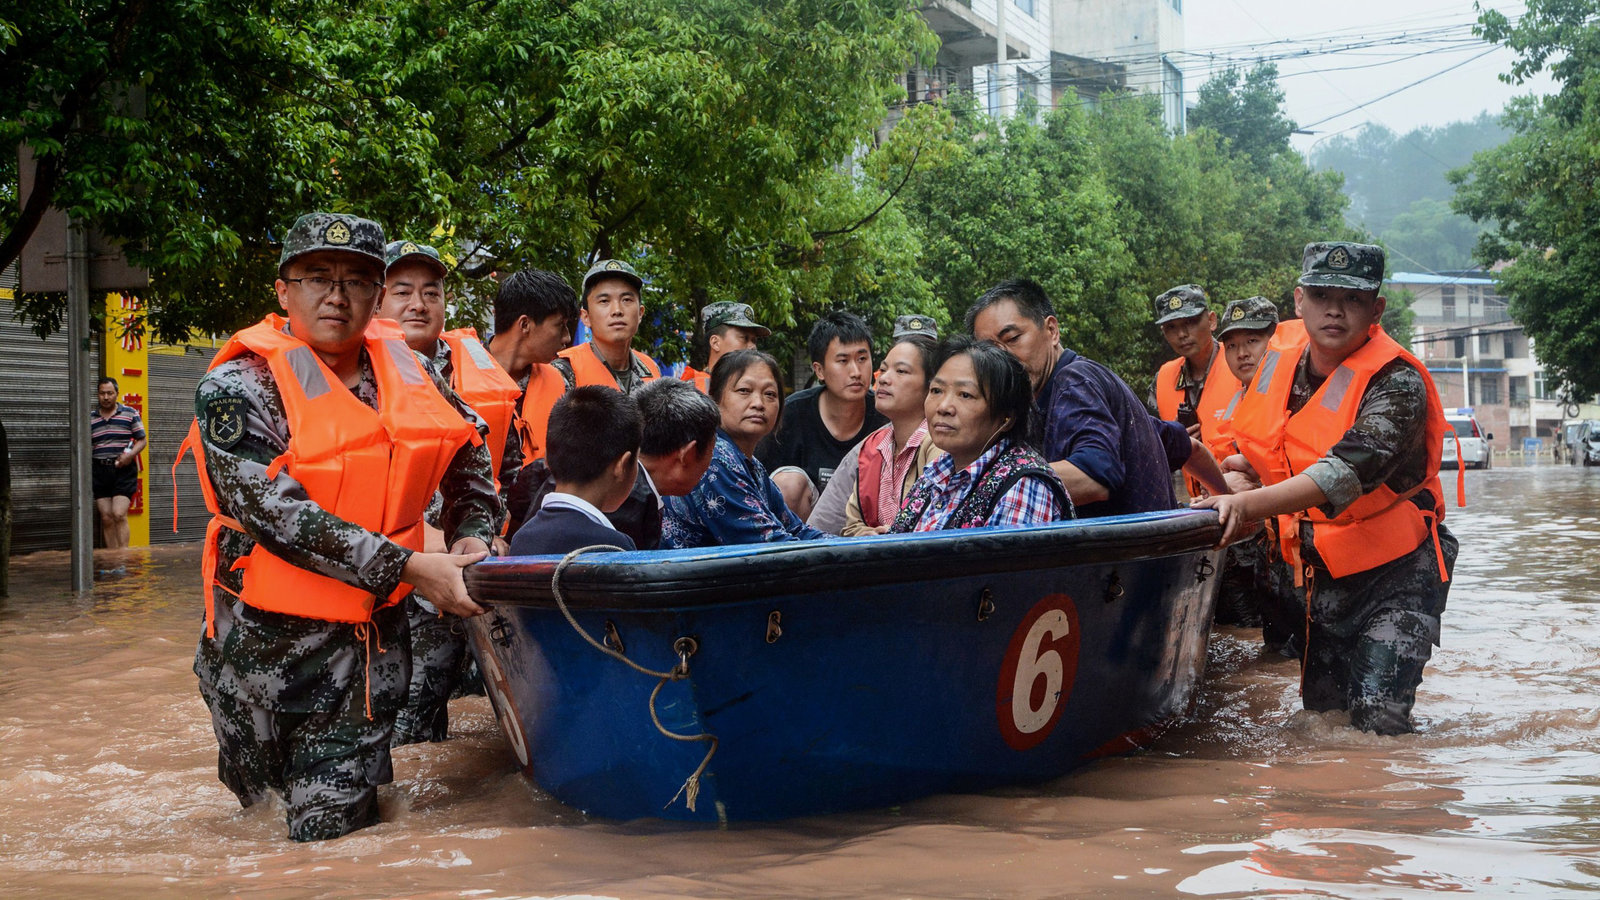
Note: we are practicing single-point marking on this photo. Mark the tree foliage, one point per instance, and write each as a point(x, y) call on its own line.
point(1027, 199)
point(698, 138)
point(1537, 190)
point(1246, 109)
point(1195, 209)
point(1399, 188)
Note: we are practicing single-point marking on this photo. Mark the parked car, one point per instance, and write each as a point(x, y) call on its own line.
point(1473, 440)
point(1589, 444)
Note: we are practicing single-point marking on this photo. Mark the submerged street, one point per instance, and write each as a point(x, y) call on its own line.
point(108, 784)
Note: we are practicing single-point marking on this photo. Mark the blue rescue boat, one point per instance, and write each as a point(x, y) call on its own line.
point(780, 680)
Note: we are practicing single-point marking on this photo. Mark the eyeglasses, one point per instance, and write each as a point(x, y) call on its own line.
point(317, 287)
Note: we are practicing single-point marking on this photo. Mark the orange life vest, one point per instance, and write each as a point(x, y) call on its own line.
point(376, 468)
point(700, 380)
point(485, 387)
point(588, 368)
point(1219, 388)
point(1382, 525)
point(545, 387)
point(1289, 333)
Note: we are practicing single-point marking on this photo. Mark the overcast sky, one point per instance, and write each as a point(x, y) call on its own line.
point(1335, 57)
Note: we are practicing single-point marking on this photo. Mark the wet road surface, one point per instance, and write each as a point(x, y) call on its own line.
point(108, 784)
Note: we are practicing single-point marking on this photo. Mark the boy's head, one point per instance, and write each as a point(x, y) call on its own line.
point(1338, 295)
point(593, 451)
point(536, 311)
point(1186, 320)
point(680, 430)
point(1247, 325)
point(841, 355)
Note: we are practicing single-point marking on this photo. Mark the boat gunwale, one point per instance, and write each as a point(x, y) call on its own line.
point(644, 580)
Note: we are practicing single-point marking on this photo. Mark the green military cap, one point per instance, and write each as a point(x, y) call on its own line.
point(1182, 302)
point(1254, 314)
point(402, 251)
point(904, 325)
point(739, 315)
point(332, 231)
point(1342, 264)
point(610, 268)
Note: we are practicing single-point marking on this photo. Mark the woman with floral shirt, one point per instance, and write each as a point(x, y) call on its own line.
point(736, 503)
point(980, 411)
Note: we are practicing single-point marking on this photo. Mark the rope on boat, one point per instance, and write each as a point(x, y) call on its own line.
point(690, 791)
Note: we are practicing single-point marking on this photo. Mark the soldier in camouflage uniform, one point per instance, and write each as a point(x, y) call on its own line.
point(1370, 631)
point(414, 297)
point(305, 706)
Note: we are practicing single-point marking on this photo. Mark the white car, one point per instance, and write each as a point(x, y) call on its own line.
point(1474, 441)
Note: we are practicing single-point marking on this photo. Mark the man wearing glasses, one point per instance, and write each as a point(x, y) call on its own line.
point(321, 438)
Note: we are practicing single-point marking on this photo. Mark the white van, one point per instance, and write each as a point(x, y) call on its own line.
point(1474, 441)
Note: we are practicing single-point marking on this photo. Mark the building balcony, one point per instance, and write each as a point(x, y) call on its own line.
point(966, 38)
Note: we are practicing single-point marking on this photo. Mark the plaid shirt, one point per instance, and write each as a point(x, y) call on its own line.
point(1028, 502)
point(896, 465)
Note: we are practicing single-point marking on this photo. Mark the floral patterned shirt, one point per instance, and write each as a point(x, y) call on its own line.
point(735, 503)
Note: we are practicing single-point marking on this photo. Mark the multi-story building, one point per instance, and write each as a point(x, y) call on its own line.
point(1137, 36)
point(1479, 357)
point(971, 33)
point(1092, 47)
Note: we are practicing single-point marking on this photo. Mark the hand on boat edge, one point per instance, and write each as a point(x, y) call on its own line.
point(437, 576)
point(1233, 513)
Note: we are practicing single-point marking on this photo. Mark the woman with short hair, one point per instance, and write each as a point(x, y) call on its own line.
point(980, 411)
point(736, 502)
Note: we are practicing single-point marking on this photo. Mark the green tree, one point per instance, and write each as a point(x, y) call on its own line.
point(1193, 211)
point(1247, 110)
point(697, 138)
point(1536, 191)
point(1020, 198)
point(1397, 185)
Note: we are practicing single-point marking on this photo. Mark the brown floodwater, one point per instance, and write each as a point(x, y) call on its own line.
point(108, 785)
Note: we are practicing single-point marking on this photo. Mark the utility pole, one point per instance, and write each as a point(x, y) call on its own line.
point(78, 407)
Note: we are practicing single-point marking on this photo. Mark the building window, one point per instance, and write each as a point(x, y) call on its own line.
point(1172, 95)
point(1461, 348)
point(1447, 304)
point(994, 90)
point(1177, 5)
point(1519, 392)
point(1488, 389)
point(1483, 345)
point(1541, 387)
point(1511, 346)
point(1024, 5)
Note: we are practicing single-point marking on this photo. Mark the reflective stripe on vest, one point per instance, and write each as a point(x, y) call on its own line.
point(485, 387)
point(588, 368)
point(375, 468)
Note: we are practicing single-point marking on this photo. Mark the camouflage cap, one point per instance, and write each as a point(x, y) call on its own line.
point(904, 325)
point(739, 315)
point(1254, 314)
point(1182, 302)
point(609, 268)
point(332, 231)
point(401, 251)
point(1342, 264)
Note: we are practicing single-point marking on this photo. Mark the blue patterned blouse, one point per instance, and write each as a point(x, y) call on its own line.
point(735, 503)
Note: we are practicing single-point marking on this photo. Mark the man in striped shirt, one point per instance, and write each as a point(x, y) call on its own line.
point(117, 436)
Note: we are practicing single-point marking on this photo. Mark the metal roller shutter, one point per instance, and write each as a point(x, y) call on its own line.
point(33, 406)
point(173, 378)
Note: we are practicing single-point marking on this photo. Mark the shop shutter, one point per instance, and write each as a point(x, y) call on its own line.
point(33, 407)
point(173, 377)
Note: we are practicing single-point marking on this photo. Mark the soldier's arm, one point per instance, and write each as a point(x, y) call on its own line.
point(1391, 423)
point(243, 431)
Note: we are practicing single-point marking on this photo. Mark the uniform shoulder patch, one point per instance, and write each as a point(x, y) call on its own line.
point(224, 421)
